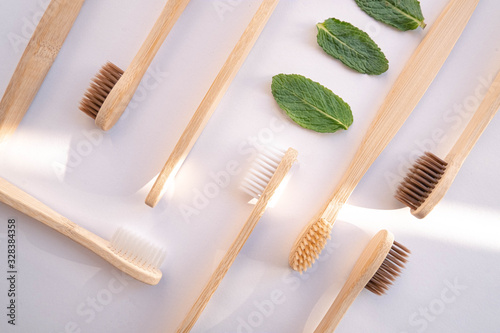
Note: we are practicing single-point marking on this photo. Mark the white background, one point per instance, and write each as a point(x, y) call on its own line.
point(100, 180)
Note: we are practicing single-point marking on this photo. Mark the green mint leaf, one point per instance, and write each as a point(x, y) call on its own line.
point(352, 46)
point(401, 14)
point(311, 105)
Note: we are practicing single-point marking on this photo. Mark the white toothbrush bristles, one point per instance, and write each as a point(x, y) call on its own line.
point(261, 172)
point(137, 249)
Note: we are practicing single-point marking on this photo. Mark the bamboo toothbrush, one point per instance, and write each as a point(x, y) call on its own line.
point(127, 251)
point(261, 183)
point(35, 63)
point(376, 269)
point(431, 177)
point(112, 89)
point(211, 100)
point(404, 96)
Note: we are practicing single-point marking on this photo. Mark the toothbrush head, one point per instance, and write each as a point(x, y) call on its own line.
point(261, 172)
point(145, 257)
point(421, 180)
point(309, 244)
point(99, 89)
point(269, 175)
point(390, 269)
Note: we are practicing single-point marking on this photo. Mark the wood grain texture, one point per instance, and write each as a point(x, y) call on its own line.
point(36, 62)
point(122, 93)
point(212, 99)
point(23, 202)
point(458, 154)
point(365, 268)
point(259, 209)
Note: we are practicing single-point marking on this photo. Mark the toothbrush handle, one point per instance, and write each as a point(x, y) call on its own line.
point(476, 126)
point(351, 289)
point(25, 203)
point(404, 96)
point(365, 268)
point(232, 253)
point(122, 93)
point(36, 62)
point(222, 269)
point(211, 99)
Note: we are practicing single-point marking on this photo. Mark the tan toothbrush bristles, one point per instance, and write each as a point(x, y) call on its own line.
point(404, 96)
point(431, 177)
point(380, 263)
point(127, 252)
point(36, 62)
point(277, 178)
point(113, 89)
point(211, 100)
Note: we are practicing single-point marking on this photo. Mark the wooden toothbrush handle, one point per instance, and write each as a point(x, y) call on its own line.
point(122, 93)
point(26, 204)
point(365, 268)
point(476, 126)
point(35, 63)
point(222, 269)
point(404, 96)
point(259, 209)
point(212, 99)
point(339, 307)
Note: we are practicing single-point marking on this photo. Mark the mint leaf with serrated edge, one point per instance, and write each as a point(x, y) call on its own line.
point(352, 46)
point(400, 14)
point(310, 104)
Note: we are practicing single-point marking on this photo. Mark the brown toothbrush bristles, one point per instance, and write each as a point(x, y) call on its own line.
point(421, 180)
point(389, 270)
point(99, 89)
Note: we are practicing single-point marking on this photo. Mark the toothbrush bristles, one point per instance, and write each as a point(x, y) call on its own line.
point(390, 269)
point(421, 180)
point(99, 89)
point(310, 245)
point(137, 249)
point(261, 171)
